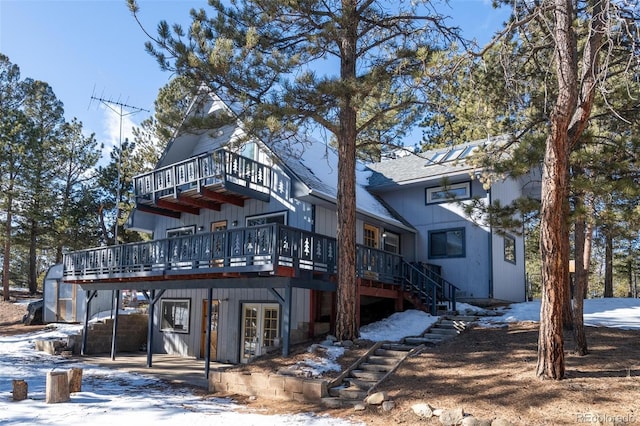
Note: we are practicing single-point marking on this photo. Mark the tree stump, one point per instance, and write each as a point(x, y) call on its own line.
point(57, 387)
point(75, 380)
point(20, 390)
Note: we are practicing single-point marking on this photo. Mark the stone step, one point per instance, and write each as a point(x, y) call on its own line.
point(465, 318)
point(397, 347)
point(337, 402)
point(348, 393)
point(438, 330)
point(375, 359)
point(360, 383)
point(426, 339)
point(395, 351)
point(367, 375)
point(375, 367)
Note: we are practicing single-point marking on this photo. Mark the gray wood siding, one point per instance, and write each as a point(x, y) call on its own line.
point(229, 320)
point(470, 273)
point(508, 278)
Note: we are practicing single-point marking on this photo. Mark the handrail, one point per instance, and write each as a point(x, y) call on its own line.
point(255, 249)
point(219, 166)
point(252, 249)
point(428, 285)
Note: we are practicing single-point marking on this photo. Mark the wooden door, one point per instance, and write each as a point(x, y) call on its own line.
point(215, 304)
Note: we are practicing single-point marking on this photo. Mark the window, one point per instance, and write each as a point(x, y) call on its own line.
point(370, 237)
point(391, 242)
point(447, 243)
point(509, 249)
point(220, 225)
point(179, 232)
point(175, 315)
point(264, 219)
point(443, 194)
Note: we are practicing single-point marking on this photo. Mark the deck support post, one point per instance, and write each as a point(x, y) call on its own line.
point(115, 325)
point(90, 295)
point(286, 318)
point(207, 352)
point(153, 299)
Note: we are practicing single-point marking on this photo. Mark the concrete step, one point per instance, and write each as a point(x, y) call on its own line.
point(426, 339)
point(368, 375)
point(375, 367)
point(384, 360)
point(360, 383)
point(396, 347)
point(336, 402)
point(465, 318)
point(438, 330)
point(348, 393)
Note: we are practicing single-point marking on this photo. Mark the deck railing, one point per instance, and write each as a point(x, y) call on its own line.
point(217, 167)
point(256, 249)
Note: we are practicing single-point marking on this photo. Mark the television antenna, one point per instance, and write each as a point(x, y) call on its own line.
point(118, 108)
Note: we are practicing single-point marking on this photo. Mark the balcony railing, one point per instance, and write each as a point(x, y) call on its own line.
point(257, 249)
point(244, 250)
point(217, 167)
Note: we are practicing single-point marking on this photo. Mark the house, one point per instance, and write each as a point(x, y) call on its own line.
point(243, 255)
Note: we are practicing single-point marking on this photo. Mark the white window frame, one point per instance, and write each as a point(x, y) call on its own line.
point(265, 216)
point(181, 316)
point(181, 232)
point(448, 193)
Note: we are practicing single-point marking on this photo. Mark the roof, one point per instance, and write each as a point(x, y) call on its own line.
point(438, 163)
point(316, 165)
point(313, 162)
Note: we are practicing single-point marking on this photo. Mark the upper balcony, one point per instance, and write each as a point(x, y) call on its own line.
point(205, 181)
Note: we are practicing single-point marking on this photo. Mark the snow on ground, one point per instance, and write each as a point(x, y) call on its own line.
point(111, 396)
point(623, 313)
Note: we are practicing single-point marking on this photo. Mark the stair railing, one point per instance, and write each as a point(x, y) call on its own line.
point(428, 285)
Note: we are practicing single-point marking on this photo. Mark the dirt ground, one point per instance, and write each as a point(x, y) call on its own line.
point(489, 372)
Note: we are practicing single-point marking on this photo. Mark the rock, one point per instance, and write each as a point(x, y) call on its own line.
point(331, 338)
point(388, 405)
point(359, 407)
point(422, 410)
point(34, 313)
point(452, 417)
point(376, 398)
point(437, 412)
point(472, 421)
point(347, 344)
point(501, 422)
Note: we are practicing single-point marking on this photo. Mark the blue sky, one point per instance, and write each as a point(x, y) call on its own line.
point(86, 48)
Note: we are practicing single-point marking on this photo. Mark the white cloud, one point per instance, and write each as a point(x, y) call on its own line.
point(112, 119)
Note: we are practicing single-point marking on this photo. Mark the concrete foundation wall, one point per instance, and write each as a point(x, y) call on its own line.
point(270, 386)
point(131, 334)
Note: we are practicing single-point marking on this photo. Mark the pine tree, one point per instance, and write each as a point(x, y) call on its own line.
point(290, 68)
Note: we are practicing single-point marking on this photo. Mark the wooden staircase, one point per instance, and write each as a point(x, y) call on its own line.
point(365, 375)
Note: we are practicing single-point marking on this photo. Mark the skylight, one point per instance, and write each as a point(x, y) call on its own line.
point(455, 153)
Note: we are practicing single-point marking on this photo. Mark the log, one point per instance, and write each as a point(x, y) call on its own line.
point(75, 380)
point(57, 387)
point(20, 390)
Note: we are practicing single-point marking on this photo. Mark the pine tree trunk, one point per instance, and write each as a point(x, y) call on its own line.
point(554, 236)
point(7, 245)
point(608, 265)
point(33, 258)
point(347, 300)
point(582, 256)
